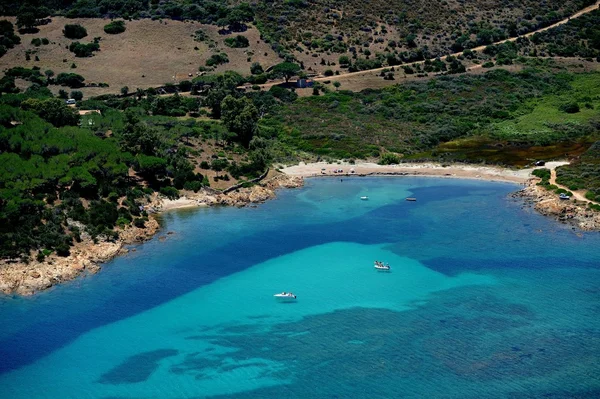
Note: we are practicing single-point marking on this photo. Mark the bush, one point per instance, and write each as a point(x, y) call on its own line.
point(389, 159)
point(84, 50)
point(74, 31)
point(217, 59)
point(194, 186)
point(77, 95)
point(570, 108)
point(219, 164)
point(115, 27)
point(36, 41)
point(256, 69)
point(169, 192)
point(237, 42)
point(543, 174)
point(72, 80)
point(328, 72)
point(344, 61)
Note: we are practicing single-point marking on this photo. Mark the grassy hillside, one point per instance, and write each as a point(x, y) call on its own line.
point(148, 54)
point(496, 117)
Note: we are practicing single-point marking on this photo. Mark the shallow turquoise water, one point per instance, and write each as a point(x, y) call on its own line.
point(485, 299)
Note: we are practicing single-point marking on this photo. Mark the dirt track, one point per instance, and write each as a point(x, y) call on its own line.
point(480, 48)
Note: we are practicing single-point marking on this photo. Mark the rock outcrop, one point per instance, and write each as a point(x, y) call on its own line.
point(22, 278)
point(566, 211)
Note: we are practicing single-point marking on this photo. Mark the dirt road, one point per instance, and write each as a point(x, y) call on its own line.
point(480, 48)
point(579, 195)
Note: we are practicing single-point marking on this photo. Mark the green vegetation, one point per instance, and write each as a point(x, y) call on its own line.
point(63, 178)
point(74, 31)
point(285, 70)
point(238, 41)
point(29, 14)
point(419, 30)
point(498, 117)
point(583, 173)
point(36, 41)
point(115, 27)
point(8, 39)
point(580, 37)
point(72, 80)
point(84, 49)
point(217, 59)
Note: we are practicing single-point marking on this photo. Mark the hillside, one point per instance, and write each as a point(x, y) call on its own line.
point(148, 54)
point(496, 117)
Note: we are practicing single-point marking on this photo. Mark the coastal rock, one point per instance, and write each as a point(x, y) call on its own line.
point(548, 204)
point(22, 278)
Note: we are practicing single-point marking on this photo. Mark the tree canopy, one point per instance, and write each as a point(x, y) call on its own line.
point(240, 116)
point(285, 70)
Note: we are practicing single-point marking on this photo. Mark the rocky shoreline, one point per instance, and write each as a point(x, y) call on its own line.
point(261, 192)
point(549, 204)
point(20, 278)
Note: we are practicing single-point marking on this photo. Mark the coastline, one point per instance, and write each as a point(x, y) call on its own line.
point(20, 278)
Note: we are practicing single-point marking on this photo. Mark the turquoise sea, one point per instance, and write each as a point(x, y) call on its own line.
point(486, 299)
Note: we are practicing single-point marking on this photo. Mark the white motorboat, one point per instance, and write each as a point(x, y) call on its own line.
point(287, 296)
point(364, 198)
point(382, 267)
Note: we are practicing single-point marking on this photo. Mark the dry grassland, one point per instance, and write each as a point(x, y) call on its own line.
point(148, 54)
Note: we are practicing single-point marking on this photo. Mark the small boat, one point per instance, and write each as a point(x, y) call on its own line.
point(364, 198)
point(382, 267)
point(288, 296)
point(564, 196)
point(411, 199)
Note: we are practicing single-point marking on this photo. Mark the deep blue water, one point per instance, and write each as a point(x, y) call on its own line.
point(486, 299)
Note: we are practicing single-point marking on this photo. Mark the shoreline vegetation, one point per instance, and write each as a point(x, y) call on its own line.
point(25, 279)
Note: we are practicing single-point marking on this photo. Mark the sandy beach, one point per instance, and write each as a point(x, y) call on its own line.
point(460, 171)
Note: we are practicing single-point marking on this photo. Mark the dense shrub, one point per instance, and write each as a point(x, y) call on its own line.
point(84, 50)
point(72, 80)
point(570, 108)
point(542, 173)
point(8, 39)
point(74, 31)
point(115, 27)
point(256, 69)
point(217, 59)
point(389, 159)
point(238, 41)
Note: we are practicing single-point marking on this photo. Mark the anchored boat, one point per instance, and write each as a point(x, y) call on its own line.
point(285, 296)
point(382, 267)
